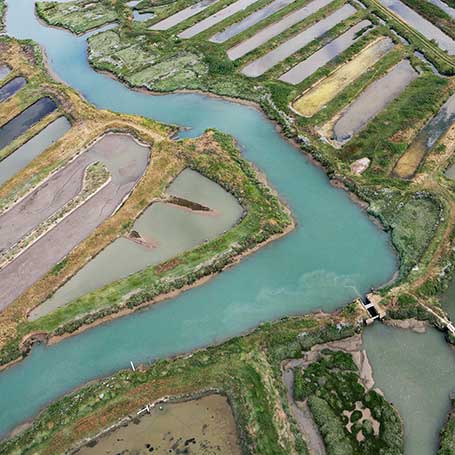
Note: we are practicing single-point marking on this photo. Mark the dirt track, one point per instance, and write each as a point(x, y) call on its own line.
point(126, 161)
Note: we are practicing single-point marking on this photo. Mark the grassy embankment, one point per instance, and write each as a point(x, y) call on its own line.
point(352, 420)
point(214, 155)
point(447, 443)
point(246, 368)
point(2, 14)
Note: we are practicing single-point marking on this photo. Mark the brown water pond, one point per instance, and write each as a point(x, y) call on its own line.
point(204, 426)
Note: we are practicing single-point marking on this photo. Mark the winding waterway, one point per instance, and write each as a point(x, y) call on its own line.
point(334, 254)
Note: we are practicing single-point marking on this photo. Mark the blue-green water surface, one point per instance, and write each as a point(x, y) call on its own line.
point(334, 254)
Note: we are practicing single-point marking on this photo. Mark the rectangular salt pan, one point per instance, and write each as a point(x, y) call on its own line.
point(426, 28)
point(269, 60)
point(275, 29)
point(324, 55)
point(250, 20)
point(373, 100)
point(216, 18)
point(11, 87)
point(445, 7)
point(31, 149)
point(183, 15)
point(25, 120)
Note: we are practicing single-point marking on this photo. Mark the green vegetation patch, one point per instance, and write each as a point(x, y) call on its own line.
point(352, 420)
point(79, 16)
point(413, 219)
point(142, 65)
point(447, 444)
point(2, 14)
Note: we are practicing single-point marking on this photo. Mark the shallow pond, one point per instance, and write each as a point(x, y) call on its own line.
point(261, 65)
point(249, 21)
point(34, 147)
point(11, 87)
point(324, 55)
point(424, 26)
point(202, 426)
point(417, 373)
point(183, 15)
point(373, 100)
point(4, 71)
point(21, 123)
point(216, 18)
point(319, 265)
point(170, 229)
point(141, 17)
point(275, 29)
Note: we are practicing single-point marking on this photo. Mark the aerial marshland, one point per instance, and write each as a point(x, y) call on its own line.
point(322, 256)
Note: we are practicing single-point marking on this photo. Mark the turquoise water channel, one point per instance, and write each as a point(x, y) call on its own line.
point(334, 254)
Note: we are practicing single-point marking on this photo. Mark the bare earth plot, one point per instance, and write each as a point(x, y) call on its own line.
point(126, 162)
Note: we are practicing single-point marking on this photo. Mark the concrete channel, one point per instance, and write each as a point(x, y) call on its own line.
point(275, 29)
point(422, 25)
point(12, 164)
point(249, 21)
point(261, 65)
point(182, 15)
point(11, 87)
point(126, 161)
point(309, 66)
point(216, 18)
point(373, 100)
point(26, 119)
